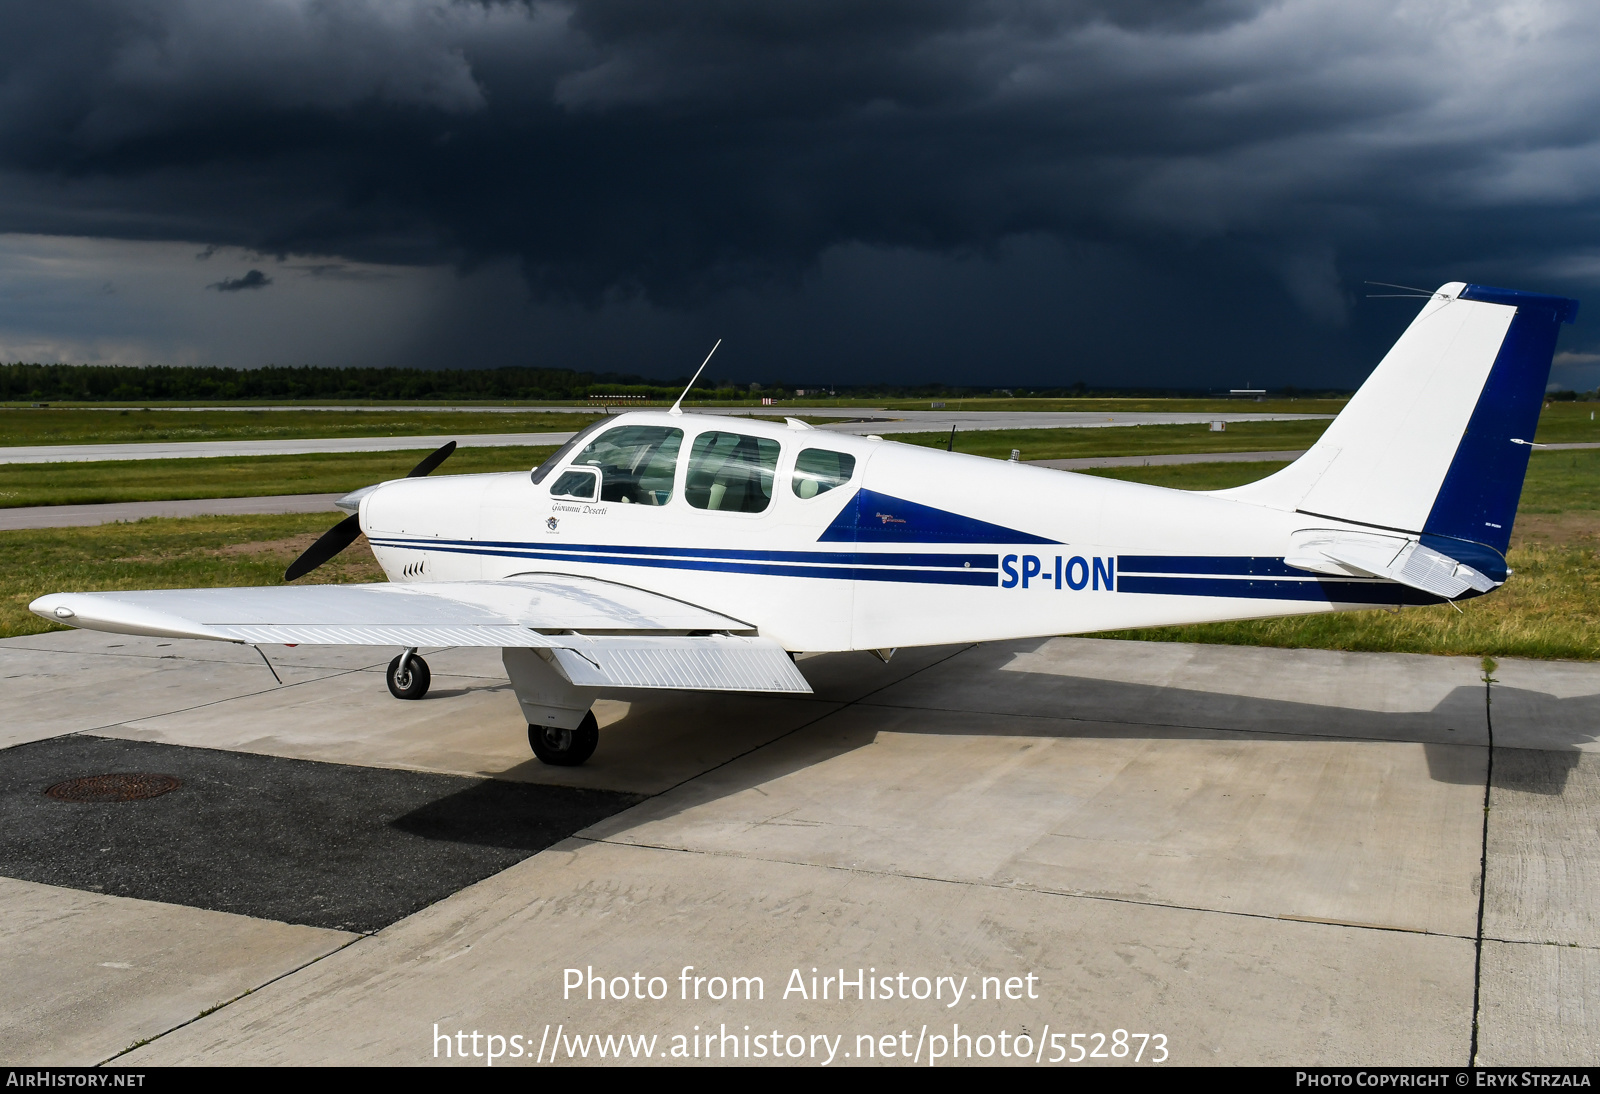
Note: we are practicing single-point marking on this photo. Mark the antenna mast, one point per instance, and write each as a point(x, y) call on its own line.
point(677, 407)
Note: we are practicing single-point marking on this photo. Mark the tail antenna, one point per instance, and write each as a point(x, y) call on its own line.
point(677, 407)
point(1424, 293)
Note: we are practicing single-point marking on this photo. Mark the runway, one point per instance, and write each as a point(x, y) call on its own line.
point(857, 422)
point(1265, 856)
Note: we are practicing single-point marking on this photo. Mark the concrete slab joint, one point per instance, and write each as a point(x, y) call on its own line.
point(1268, 856)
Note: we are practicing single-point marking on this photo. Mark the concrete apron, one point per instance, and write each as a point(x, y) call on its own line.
point(1264, 856)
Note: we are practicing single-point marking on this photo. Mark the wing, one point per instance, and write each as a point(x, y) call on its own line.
point(603, 634)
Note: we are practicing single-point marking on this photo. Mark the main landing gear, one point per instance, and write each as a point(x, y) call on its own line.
point(408, 676)
point(565, 747)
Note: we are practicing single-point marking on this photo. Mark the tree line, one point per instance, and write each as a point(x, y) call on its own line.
point(175, 383)
point(307, 383)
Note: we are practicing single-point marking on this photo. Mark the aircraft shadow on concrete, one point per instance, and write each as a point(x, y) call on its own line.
point(1452, 734)
point(356, 848)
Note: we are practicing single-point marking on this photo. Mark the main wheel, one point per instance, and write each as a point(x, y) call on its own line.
point(565, 747)
point(413, 683)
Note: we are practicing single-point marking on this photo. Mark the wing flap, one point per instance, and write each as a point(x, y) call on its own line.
point(419, 635)
point(695, 663)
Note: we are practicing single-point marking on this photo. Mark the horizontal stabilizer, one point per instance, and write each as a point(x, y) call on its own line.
point(1359, 554)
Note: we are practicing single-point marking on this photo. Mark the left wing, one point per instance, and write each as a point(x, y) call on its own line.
point(602, 634)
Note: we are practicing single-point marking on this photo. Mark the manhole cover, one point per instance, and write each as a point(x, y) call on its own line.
point(112, 788)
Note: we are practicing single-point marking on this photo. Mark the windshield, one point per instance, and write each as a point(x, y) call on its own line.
point(560, 454)
point(637, 463)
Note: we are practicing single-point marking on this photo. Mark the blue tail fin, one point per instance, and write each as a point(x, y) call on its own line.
point(1477, 502)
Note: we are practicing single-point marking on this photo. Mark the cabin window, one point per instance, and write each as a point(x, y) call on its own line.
point(636, 463)
point(576, 483)
point(731, 473)
point(817, 471)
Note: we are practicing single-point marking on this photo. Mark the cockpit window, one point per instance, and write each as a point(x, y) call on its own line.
point(636, 463)
point(817, 471)
point(731, 473)
point(575, 483)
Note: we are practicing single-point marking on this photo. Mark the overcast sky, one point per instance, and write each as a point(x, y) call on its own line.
point(973, 192)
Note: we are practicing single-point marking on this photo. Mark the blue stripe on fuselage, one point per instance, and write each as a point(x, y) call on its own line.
point(1313, 589)
point(943, 569)
point(1240, 565)
point(1236, 577)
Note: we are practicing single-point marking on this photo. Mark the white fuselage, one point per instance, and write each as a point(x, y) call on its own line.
point(920, 547)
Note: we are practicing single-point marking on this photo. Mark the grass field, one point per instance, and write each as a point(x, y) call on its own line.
point(1550, 608)
point(75, 426)
point(321, 473)
point(163, 554)
point(1126, 406)
point(1141, 440)
point(24, 484)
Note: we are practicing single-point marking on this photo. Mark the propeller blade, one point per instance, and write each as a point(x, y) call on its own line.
point(427, 466)
point(333, 541)
point(344, 533)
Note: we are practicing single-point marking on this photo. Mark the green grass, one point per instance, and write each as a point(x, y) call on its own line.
point(1566, 423)
point(229, 477)
point(1191, 476)
point(1111, 406)
point(82, 426)
point(1562, 482)
point(1142, 440)
point(195, 552)
point(1550, 608)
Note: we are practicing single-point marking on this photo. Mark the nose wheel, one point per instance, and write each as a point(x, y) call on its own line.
point(408, 676)
point(565, 747)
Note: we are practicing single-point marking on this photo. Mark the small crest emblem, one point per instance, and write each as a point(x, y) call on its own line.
point(551, 523)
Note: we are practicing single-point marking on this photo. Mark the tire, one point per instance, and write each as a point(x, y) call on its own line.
point(414, 685)
point(565, 747)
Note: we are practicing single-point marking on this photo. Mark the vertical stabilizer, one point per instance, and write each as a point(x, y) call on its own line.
point(1435, 443)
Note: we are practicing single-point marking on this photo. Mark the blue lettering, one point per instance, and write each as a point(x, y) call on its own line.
point(1030, 568)
point(1007, 564)
point(1076, 565)
point(1058, 571)
point(1105, 568)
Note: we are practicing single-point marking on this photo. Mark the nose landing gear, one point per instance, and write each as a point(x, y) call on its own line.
point(565, 747)
point(408, 676)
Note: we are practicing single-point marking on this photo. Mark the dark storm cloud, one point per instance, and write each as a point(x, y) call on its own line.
point(255, 279)
point(1213, 156)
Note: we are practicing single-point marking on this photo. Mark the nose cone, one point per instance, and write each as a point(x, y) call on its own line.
point(351, 502)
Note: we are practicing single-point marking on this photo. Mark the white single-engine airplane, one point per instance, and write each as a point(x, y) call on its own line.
point(664, 550)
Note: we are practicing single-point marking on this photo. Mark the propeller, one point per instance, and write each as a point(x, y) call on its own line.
point(344, 533)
